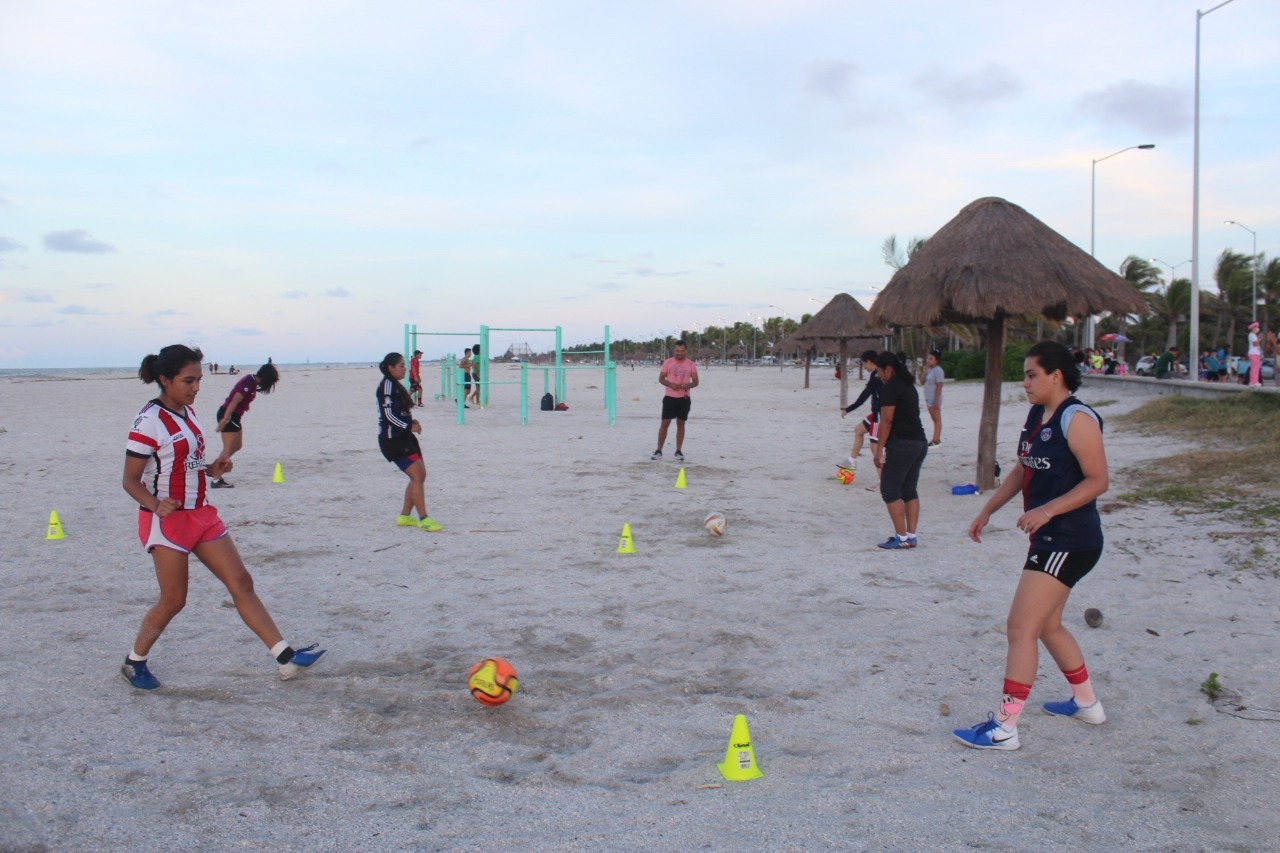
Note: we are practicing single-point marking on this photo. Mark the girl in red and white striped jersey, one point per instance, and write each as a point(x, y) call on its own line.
point(166, 473)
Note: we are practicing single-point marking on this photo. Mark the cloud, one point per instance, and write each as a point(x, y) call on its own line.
point(1145, 106)
point(647, 272)
point(75, 241)
point(7, 245)
point(100, 285)
point(247, 333)
point(337, 293)
point(422, 142)
point(831, 79)
point(168, 312)
point(986, 85)
point(37, 297)
point(294, 294)
point(608, 286)
point(78, 310)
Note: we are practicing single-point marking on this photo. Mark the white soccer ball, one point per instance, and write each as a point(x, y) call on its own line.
point(715, 524)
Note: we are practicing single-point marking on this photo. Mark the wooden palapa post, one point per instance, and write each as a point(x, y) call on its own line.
point(991, 403)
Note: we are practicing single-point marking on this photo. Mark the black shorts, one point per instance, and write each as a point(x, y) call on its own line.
point(399, 449)
point(1067, 566)
point(233, 425)
point(900, 474)
point(676, 408)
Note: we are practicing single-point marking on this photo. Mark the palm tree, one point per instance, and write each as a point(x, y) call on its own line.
point(1233, 274)
point(1170, 306)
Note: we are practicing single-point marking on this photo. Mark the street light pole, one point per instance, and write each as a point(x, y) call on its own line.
point(1171, 267)
point(1195, 197)
point(1253, 263)
point(1093, 216)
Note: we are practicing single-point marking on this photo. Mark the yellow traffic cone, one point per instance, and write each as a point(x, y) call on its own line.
point(625, 545)
point(681, 483)
point(739, 758)
point(55, 527)
point(279, 475)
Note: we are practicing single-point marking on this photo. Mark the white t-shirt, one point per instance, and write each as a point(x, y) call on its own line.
point(1254, 348)
point(933, 377)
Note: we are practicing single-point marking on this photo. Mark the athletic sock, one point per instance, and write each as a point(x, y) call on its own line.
point(1015, 697)
point(134, 657)
point(1081, 686)
point(282, 652)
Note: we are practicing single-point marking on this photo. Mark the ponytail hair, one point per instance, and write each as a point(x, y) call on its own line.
point(1051, 356)
point(385, 366)
point(888, 359)
point(169, 363)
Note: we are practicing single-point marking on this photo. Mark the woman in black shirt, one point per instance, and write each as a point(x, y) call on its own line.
point(901, 450)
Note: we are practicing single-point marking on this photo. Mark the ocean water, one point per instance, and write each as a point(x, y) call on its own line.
point(51, 373)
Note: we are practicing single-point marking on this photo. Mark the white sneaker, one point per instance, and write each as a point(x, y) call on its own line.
point(1091, 714)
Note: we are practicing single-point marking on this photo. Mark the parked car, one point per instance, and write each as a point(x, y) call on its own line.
point(822, 362)
point(1146, 366)
point(1241, 363)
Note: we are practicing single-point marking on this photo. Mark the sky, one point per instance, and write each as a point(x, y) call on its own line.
point(299, 180)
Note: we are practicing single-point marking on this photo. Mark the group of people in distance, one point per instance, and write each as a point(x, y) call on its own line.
point(1060, 451)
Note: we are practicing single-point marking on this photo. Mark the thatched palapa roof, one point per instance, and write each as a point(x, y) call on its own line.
point(845, 322)
point(995, 258)
point(842, 317)
point(991, 262)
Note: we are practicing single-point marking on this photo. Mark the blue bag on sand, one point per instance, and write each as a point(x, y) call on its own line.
point(966, 489)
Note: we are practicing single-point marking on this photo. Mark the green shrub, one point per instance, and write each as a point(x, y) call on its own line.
point(972, 364)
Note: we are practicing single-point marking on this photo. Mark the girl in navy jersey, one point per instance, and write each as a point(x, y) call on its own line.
point(1064, 470)
point(398, 441)
point(166, 473)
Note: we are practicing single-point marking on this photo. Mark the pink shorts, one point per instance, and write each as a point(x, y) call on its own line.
point(180, 531)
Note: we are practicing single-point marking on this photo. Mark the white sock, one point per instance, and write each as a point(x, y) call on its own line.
point(278, 648)
point(135, 657)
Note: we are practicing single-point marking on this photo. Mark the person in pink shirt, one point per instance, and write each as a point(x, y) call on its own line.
point(679, 376)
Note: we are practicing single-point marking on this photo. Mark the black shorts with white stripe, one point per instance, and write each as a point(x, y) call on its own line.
point(1067, 566)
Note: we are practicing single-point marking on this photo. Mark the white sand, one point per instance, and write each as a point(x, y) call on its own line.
point(842, 656)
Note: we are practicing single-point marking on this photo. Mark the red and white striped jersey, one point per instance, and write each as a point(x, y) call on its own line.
point(173, 446)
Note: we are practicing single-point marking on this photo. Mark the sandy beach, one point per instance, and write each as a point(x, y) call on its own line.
point(851, 664)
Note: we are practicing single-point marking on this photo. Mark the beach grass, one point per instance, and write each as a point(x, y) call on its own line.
point(1228, 470)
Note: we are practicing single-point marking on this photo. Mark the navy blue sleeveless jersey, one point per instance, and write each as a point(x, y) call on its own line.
point(1050, 470)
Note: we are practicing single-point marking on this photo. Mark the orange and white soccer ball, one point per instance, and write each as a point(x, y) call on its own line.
point(492, 681)
point(715, 524)
point(844, 475)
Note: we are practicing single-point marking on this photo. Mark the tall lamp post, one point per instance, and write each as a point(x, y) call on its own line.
point(1252, 263)
point(1195, 196)
point(1093, 215)
point(1172, 268)
point(724, 352)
